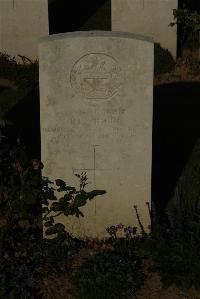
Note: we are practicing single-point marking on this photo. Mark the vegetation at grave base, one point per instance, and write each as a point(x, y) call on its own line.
point(110, 274)
point(174, 247)
point(19, 222)
point(115, 272)
point(24, 72)
point(23, 193)
point(25, 257)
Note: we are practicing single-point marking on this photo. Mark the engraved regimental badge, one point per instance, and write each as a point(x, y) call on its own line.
point(96, 76)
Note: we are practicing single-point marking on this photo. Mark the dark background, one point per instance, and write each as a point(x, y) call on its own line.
point(67, 16)
point(193, 5)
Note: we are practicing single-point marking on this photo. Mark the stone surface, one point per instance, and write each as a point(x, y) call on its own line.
point(22, 23)
point(148, 17)
point(96, 95)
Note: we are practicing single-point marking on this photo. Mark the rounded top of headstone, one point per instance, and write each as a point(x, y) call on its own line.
point(110, 34)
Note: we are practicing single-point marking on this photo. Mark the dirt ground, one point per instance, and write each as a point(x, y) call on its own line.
point(186, 70)
point(62, 288)
point(152, 288)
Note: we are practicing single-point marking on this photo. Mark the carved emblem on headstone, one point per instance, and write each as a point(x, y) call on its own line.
point(96, 76)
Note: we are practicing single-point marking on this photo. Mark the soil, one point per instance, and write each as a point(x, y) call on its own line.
point(152, 288)
point(186, 70)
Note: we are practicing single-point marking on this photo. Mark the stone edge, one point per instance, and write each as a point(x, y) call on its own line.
point(78, 34)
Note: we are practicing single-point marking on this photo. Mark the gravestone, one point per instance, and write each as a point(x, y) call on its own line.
point(96, 100)
point(22, 23)
point(148, 17)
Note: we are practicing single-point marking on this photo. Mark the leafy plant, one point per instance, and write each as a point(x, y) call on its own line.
point(24, 72)
point(23, 78)
point(116, 272)
point(25, 257)
point(175, 245)
point(20, 181)
point(190, 21)
point(68, 204)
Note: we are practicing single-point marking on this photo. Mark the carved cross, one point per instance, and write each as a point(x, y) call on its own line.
point(93, 169)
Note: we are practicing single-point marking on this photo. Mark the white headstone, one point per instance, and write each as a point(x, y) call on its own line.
point(96, 99)
point(22, 23)
point(147, 17)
